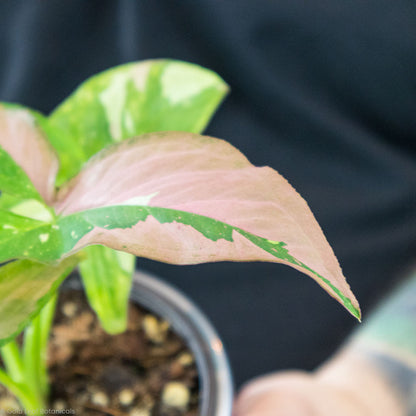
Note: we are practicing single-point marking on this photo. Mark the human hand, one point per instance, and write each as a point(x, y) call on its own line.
point(347, 386)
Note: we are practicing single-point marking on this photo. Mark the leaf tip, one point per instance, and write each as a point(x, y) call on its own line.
point(354, 310)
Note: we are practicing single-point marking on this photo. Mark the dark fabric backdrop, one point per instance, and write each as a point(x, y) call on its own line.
point(324, 92)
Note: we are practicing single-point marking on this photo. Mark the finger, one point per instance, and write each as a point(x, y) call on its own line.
point(277, 395)
point(297, 394)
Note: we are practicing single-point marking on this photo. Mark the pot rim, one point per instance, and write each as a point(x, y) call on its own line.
point(216, 385)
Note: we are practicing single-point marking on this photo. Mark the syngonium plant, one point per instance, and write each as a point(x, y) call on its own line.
point(119, 170)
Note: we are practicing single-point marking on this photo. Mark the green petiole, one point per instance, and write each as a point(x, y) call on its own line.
point(25, 373)
point(35, 348)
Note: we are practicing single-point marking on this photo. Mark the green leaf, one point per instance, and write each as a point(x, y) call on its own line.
point(13, 229)
point(25, 287)
point(21, 206)
point(106, 275)
point(130, 100)
point(14, 181)
point(22, 238)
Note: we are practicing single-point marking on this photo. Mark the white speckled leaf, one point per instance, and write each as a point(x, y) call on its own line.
point(129, 100)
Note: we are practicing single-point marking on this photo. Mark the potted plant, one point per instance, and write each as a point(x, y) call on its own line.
point(119, 170)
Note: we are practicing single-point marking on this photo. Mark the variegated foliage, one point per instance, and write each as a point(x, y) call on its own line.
point(175, 197)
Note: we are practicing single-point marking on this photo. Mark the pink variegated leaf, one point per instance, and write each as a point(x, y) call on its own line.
point(23, 140)
point(185, 199)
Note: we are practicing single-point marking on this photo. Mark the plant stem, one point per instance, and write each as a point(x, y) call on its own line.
point(31, 403)
point(107, 277)
point(13, 361)
point(35, 349)
point(26, 369)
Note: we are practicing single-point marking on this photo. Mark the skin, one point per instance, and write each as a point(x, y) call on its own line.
point(373, 374)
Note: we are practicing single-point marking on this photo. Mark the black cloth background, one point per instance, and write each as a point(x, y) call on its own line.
point(324, 92)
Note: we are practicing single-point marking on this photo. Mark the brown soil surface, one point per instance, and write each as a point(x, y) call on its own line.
point(146, 371)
